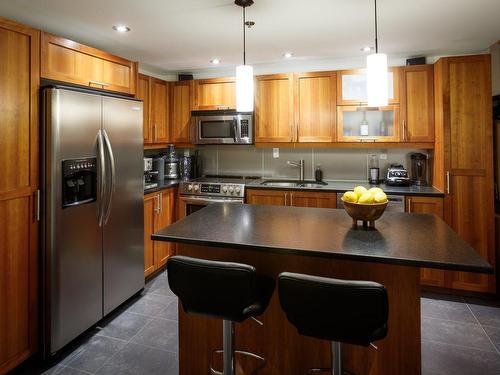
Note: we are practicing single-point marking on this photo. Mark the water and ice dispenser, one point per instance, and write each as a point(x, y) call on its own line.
point(79, 181)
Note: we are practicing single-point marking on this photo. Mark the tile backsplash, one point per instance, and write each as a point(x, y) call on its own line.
point(336, 164)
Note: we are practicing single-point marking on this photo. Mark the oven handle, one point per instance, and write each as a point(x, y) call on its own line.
point(203, 200)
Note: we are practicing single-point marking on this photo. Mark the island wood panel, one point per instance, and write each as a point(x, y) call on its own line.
point(274, 108)
point(144, 94)
point(417, 103)
point(159, 110)
point(181, 105)
point(428, 205)
point(19, 74)
point(271, 197)
point(315, 107)
point(278, 341)
point(300, 198)
point(466, 117)
point(215, 93)
point(150, 207)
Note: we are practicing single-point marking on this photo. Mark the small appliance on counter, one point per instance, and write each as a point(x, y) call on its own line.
point(397, 175)
point(171, 164)
point(149, 174)
point(419, 169)
point(159, 169)
point(185, 167)
point(373, 170)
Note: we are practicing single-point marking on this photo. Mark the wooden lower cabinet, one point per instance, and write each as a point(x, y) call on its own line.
point(428, 205)
point(159, 212)
point(296, 198)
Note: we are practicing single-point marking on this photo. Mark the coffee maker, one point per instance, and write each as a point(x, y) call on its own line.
point(149, 174)
point(171, 163)
point(419, 169)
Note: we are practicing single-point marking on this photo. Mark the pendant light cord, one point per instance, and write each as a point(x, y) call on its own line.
point(376, 28)
point(244, 38)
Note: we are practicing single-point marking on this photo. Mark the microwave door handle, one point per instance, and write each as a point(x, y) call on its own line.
point(234, 129)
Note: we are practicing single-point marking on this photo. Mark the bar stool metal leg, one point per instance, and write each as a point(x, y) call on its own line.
point(228, 345)
point(336, 358)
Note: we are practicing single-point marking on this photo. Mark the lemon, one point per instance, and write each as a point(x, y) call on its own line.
point(366, 198)
point(380, 197)
point(375, 190)
point(350, 196)
point(360, 190)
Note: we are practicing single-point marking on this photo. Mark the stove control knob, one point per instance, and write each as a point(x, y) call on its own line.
point(231, 189)
point(237, 189)
point(196, 187)
point(190, 187)
point(224, 188)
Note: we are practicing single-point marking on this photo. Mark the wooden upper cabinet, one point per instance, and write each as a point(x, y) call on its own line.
point(68, 61)
point(417, 103)
point(181, 104)
point(215, 93)
point(19, 153)
point(274, 108)
point(159, 110)
point(351, 86)
point(144, 93)
point(315, 107)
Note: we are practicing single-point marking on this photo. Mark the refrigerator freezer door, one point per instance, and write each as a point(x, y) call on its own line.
point(123, 231)
point(72, 238)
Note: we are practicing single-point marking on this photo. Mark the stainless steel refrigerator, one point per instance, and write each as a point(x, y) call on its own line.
point(92, 221)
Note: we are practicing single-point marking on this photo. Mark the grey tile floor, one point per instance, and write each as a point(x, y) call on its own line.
point(460, 336)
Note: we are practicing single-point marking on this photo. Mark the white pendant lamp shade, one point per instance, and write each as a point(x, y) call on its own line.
point(244, 88)
point(376, 80)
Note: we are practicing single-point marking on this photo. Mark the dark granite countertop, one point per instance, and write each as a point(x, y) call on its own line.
point(399, 238)
point(343, 186)
point(163, 185)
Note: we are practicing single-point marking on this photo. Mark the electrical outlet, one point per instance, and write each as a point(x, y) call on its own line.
point(276, 153)
point(383, 156)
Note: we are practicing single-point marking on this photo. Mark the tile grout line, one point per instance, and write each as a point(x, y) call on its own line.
point(482, 328)
point(458, 346)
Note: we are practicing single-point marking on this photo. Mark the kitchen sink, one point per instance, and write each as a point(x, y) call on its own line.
point(293, 184)
point(280, 183)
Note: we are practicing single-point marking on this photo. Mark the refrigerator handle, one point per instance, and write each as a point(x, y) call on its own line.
point(102, 176)
point(113, 176)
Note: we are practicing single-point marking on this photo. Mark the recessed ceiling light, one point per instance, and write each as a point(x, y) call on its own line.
point(367, 49)
point(215, 61)
point(288, 55)
point(121, 28)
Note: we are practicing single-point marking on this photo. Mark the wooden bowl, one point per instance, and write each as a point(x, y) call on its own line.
point(367, 213)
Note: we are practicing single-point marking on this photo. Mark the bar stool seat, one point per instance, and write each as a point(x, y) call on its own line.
point(233, 292)
point(340, 311)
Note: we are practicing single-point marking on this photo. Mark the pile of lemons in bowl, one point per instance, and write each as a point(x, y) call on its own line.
point(362, 195)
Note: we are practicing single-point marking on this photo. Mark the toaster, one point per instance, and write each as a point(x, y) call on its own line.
point(397, 175)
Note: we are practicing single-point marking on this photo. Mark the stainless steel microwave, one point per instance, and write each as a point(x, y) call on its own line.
point(221, 127)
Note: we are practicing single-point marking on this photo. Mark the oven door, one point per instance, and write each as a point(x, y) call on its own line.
point(215, 129)
point(190, 204)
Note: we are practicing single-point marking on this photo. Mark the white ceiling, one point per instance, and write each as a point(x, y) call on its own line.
point(184, 35)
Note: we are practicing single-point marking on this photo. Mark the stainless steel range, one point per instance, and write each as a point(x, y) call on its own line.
point(196, 194)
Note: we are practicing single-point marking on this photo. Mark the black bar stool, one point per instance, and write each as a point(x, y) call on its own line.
point(229, 291)
point(340, 311)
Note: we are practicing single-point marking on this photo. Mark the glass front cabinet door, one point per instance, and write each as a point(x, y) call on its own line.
point(366, 124)
point(351, 86)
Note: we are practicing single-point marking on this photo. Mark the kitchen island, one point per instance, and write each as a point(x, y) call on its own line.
point(319, 242)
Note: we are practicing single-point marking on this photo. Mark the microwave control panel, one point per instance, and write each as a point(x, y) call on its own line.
point(244, 128)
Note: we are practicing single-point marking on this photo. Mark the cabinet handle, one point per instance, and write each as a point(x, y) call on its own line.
point(291, 133)
point(37, 205)
point(448, 182)
point(296, 132)
point(98, 83)
point(364, 139)
point(405, 131)
point(157, 204)
point(154, 132)
point(409, 205)
point(160, 203)
point(286, 199)
point(222, 107)
point(291, 199)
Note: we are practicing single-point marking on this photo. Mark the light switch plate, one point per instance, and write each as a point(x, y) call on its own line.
point(276, 153)
point(383, 156)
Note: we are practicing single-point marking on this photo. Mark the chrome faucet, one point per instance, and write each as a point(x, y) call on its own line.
point(298, 164)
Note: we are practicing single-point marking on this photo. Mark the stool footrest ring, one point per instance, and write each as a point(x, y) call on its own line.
point(243, 352)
